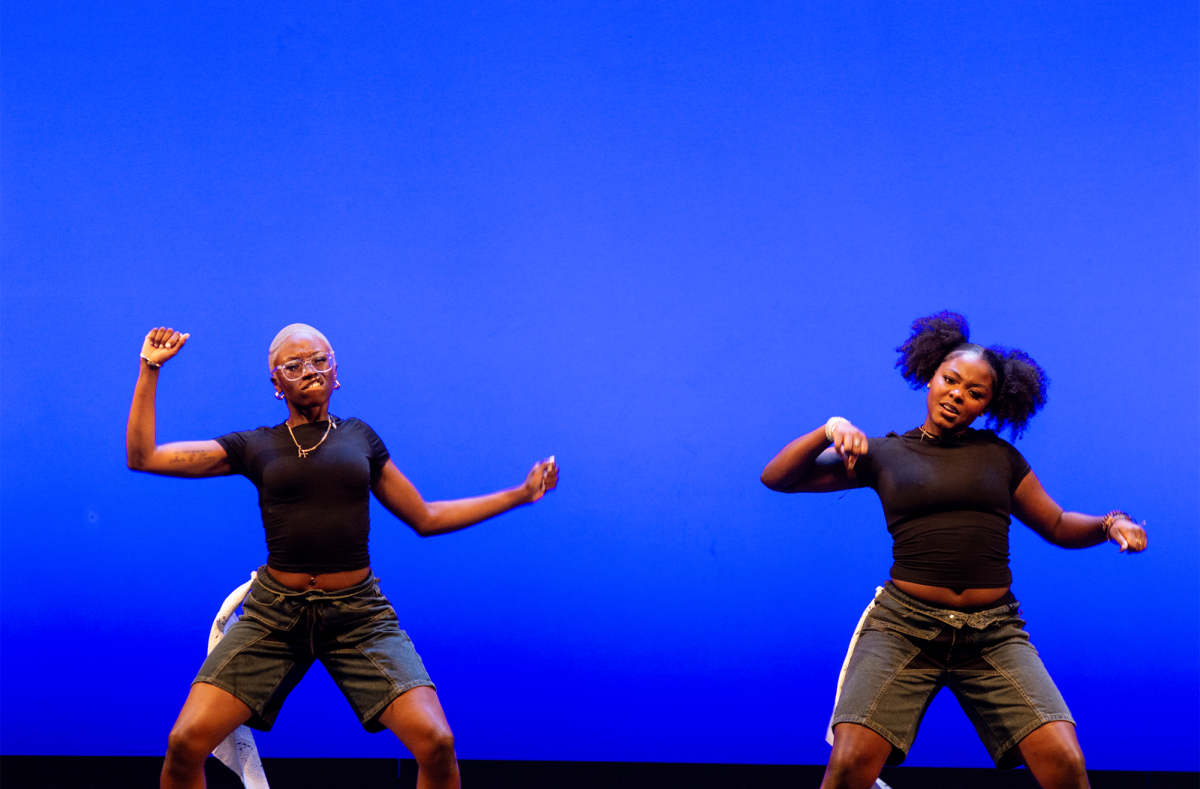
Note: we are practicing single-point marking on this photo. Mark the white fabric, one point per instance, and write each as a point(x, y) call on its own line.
point(237, 751)
point(842, 676)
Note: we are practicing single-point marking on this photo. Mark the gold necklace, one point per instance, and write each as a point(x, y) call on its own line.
point(933, 437)
point(301, 451)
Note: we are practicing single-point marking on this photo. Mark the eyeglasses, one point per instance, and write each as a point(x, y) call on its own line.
point(293, 369)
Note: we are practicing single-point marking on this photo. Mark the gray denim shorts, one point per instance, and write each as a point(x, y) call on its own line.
point(352, 631)
point(908, 650)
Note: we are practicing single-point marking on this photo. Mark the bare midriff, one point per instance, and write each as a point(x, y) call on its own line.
point(940, 595)
point(326, 582)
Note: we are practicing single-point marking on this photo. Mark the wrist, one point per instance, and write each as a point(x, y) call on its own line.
point(832, 424)
point(152, 365)
point(1107, 522)
point(525, 494)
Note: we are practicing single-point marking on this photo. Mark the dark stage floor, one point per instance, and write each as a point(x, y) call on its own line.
point(126, 772)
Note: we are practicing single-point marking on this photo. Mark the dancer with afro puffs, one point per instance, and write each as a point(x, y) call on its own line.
point(947, 616)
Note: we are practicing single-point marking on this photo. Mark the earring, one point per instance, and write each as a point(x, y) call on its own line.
point(278, 395)
point(337, 384)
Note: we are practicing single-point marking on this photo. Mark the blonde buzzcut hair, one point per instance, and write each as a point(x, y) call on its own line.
point(288, 331)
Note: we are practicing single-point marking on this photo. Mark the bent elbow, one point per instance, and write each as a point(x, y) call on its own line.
point(426, 529)
point(423, 527)
point(768, 479)
point(430, 524)
point(773, 482)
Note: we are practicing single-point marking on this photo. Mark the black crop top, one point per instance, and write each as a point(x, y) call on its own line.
point(316, 508)
point(947, 505)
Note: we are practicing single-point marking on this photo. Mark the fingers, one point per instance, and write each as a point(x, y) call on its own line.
point(549, 473)
point(162, 338)
point(542, 477)
point(1129, 536)
point(161, 344)
point(849, 442)
point(172, 338)
point(1121, 542)
point(849, 450)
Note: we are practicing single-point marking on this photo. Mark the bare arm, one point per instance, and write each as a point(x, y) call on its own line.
point(428, 518)
point(142, 452)
point(1034, 507)
point(813, 464)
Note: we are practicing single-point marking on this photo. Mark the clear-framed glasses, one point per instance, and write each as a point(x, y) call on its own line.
point(294, 369)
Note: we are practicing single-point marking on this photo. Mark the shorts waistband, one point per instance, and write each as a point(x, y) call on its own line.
point(1003, 607)
point(268, 582)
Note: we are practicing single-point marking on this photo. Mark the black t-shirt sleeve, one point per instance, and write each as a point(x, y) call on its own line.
point(235, 448)
point(379, 454)
point(1018, 467)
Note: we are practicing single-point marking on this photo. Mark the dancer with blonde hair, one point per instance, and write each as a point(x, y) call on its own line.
point(316, 597)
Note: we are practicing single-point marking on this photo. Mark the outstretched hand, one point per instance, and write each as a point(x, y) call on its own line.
point(543, 477)
point(849, 442)
point(161, 344)
point(1129, 536)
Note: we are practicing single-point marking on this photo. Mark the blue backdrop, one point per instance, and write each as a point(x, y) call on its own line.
point(657, 240)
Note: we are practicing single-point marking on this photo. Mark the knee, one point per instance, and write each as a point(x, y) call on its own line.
point(185, 746)
point(848, 769)
point(1071, 766)
point(1059, 767)
point(857, 757)
point(435, 749)
point(1053, 755)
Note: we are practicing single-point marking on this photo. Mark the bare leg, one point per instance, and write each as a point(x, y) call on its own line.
point(417, 719)
point(1053, 755)
point(208, 716)
point(858, 756)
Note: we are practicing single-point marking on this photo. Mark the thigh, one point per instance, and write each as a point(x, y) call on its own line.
point(372, 660)
point(884, 692)
point(1053, 755)
point(259, 666)
point(1007, 692)
point(208, 716)
point(416, 717)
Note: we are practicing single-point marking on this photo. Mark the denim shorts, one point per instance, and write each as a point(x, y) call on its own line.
point(352, 631)
point(908, 650)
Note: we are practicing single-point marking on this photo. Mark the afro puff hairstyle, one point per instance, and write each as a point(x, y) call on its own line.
point(1020, 382)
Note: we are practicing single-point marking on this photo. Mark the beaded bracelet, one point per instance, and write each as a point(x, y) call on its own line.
point(1109, 519)
point(833, 422)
